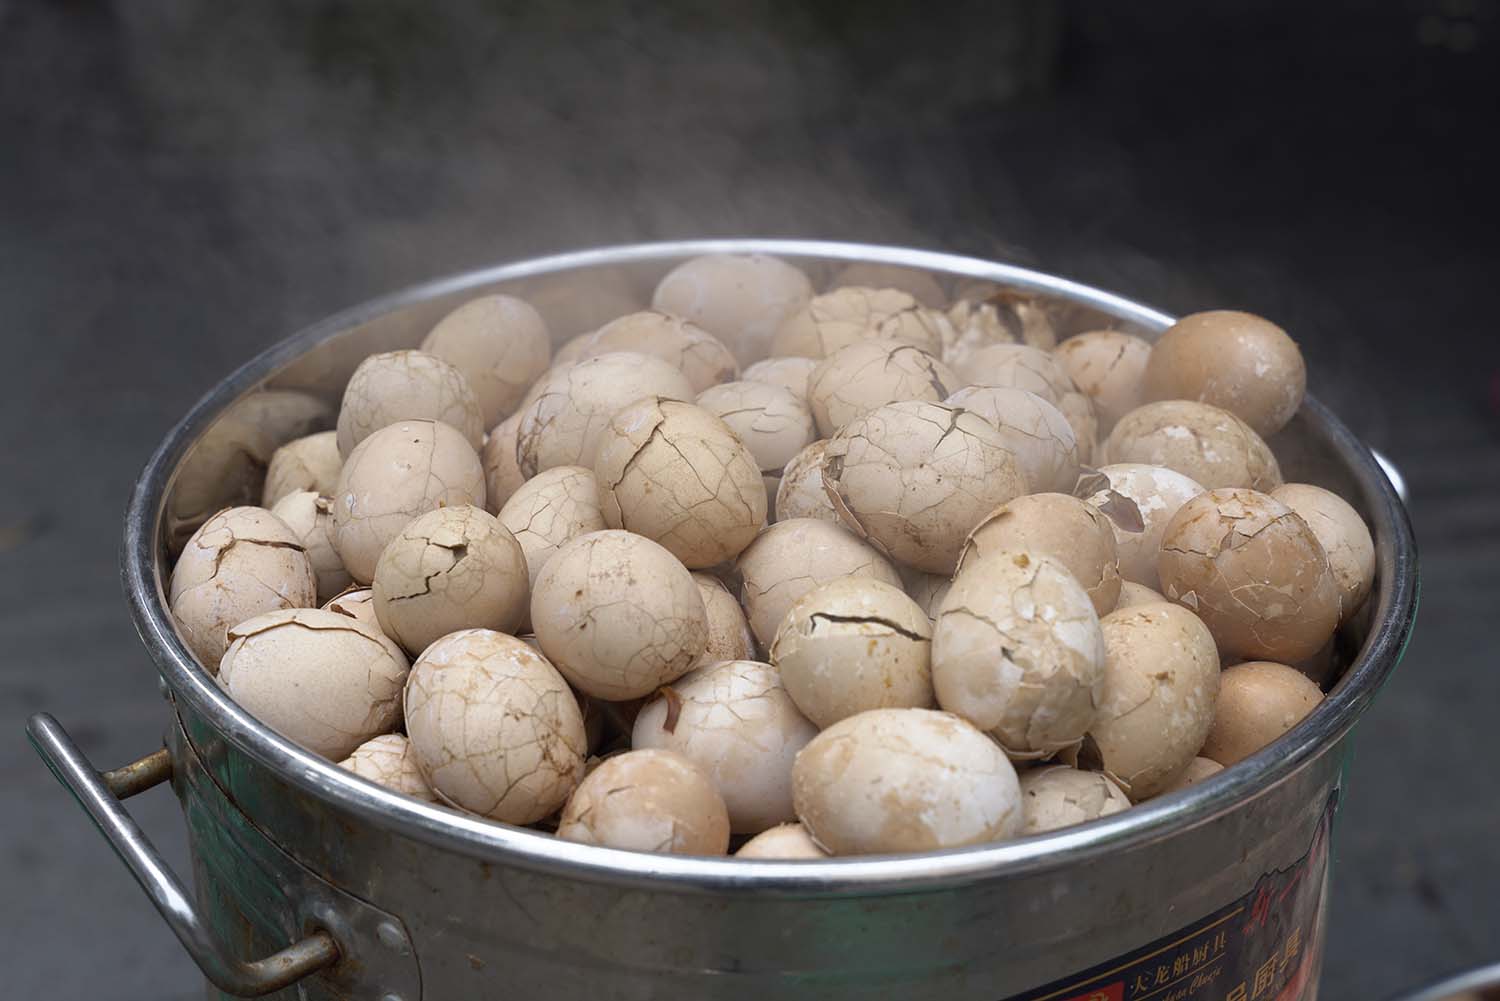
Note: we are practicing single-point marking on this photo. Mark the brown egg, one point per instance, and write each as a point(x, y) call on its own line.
point(1212, 446)
point(1060, 526)
point(500, 344)
point(1197, 770)
point(552, 508)
point(799, 490)
point(1021, 366)
point(1253, 572)
point(308, 463)
point(914, 478)
point(1036, 432)
point(784, 841)
point(1258, 702)
point(859, 377)
point(1344, 537)
point(407, 386)
point(742, 299)
point(310, 516)
point(387, 760)
point(700, 356)
point(502, 477)
point(789, 372)
point(1133, 594)
point(771, 421)
point(1240, 362)
point(985, 313)
point(1139, 501)
point(1161, 680)
point(844, 316)
point(647, 801)
point(1109, 367)
point(1056, 796)
point(920, 285)
point(729, 635)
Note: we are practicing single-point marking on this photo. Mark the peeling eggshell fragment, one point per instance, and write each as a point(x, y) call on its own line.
point(387, 760)
point(618, 615)
point(240, 563)
point(501, 346)
point(450, 569)
point(851, 645)
point(1036, 432)
point(406, 386)
point(904, 780)
point(1109, 367)
point(914, 478)
point(985, 313)
point(571, 407)
point(859, 377)
point(847, 315)
point(1258, 702)
point(647, 801)
point(784, 841)
point(308, 463)
point(391, 477)
point(1253, 571)
point(1017, 651)
point(355, 602)
point(700, 356)
point(310, 516)
point(1161, 681)
point(742, 299)
point(799, 490)
point(323, 680)
point(1344, 537)
point(795, 556)
point(735, 721)
point(1056, 796)
point(1139, 501)
point(1212, 446)
point(494, 728)
point(1075, 534)
point(676, 474)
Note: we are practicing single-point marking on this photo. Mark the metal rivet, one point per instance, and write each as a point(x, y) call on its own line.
point(391, 937)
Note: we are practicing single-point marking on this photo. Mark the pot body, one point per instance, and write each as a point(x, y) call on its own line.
point(1215, 892)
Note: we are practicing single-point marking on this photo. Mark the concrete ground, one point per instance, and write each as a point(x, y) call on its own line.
point(181, 184)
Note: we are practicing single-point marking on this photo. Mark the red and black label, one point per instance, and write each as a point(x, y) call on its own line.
point(1263, 947)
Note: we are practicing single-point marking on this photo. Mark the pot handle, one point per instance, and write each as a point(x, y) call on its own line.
point(99, 794)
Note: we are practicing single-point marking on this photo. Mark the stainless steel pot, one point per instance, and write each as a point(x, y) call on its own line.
point(353, 891)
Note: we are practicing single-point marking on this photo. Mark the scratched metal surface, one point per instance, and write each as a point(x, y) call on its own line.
point(181, 183)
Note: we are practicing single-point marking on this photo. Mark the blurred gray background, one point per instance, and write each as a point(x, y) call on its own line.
point(183, 183)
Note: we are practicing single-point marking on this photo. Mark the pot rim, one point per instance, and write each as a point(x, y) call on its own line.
point(1154, 820)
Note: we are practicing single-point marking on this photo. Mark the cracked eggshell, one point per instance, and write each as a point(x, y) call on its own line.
point(553, 507)
point(1056, 796)
point(992, 314)
point(572, 406)
point(905, 780)
point(700, 356)
point(394, 475)
point(308, 463)
point(773, 424)
point(1240, 362)
point(1212, 446)
point(784, 842)
point(927, 589)
point(735, 721)
point(1344, 536)
point(502, 477)
point(494, 727)
point(407, 386)
point(851, 645)
point(501, 346)
point(729, 635)
point(678, 475)
point(648, 801)
point(1133, 594)
point(1109, 367)
point(1161, 680)
point(355, 602)
point(309, 516)
point(790, 373)
point(848, 315)
point(859, 377)
point(1021, 366)
point(915, 477)
point(742, 299)
point(387, 760)
point(799, 491)
point(795, 556)
point(1198, 769)
point(1036, 432)
point(1253, 571)
point(320, 679)
point(618, 614)
point(920, 285)
point(1139, 501)
point(1258, 702)
point(240, 563)
point(1075, 534)
point(450, 569)
point(1017, 651)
